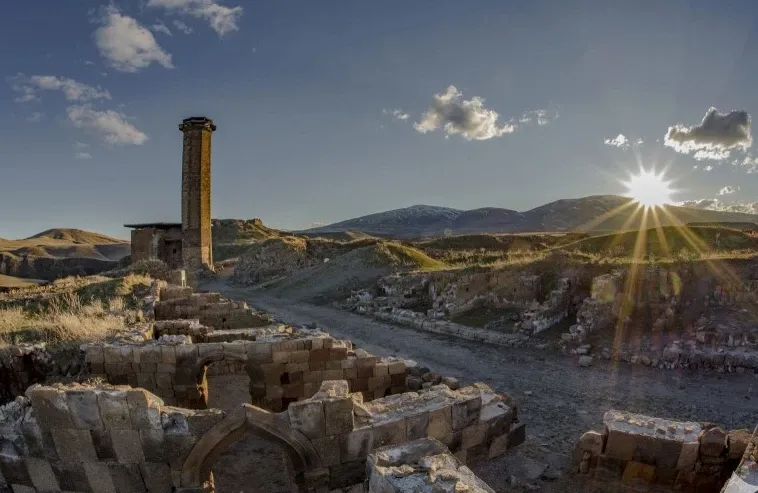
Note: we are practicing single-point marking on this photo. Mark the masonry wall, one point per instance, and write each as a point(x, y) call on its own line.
point(209, 308)
point(118, 439)
point(22, 365)
point(196, 194)
point(280, 371)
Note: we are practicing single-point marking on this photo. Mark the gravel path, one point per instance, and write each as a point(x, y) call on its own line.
point(558, 400)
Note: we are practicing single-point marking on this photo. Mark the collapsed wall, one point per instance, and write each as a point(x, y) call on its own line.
point(210, 309)
point(645, 450)
point(119, 439)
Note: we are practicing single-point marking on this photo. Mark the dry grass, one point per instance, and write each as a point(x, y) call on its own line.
point(81, 310)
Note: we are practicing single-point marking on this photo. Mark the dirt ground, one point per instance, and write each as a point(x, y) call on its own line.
point(558, 400)
point(251, 465)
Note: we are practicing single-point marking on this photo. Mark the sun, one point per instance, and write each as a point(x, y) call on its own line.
point(649, 189)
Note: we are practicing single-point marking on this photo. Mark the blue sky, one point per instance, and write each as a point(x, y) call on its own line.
point(303, 94)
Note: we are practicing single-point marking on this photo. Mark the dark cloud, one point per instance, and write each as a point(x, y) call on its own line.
point(716, 136)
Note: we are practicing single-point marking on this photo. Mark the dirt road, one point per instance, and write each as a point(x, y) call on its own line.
point(558, 400)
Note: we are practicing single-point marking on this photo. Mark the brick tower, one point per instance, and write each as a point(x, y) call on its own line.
point(196, 192)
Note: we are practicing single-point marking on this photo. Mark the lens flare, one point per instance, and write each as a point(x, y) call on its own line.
point(649, 189)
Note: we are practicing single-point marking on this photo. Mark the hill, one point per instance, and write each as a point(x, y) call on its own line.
point(594, 214)
point(60, 252)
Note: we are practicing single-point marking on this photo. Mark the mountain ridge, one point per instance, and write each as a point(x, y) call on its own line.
point(586, 214)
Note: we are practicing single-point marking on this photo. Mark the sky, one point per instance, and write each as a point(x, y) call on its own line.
point(332, 110)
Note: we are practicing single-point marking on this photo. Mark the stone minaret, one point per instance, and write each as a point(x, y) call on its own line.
point(196, 192)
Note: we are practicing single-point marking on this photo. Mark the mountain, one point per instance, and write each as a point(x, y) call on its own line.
point(60, 252)
point(595, 213)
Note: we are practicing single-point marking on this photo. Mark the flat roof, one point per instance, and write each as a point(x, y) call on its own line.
point(154, 225)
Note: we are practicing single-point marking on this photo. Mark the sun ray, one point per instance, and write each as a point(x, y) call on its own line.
point(590, 225)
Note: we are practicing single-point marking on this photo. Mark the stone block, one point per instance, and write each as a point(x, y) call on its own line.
point(127, 478)
point(474, 435)
point(157, 477)
point(466, 413)
point(381, 369)
point(144, 409)
point(416, 425)
point(127, 445)
point(51, 407)
point(713, 442)
point(85, 412)
point(114, 410)
point(347, 474)
point(498, 446)
point(328, 449)
point(99, 477)
point(338, 415)
point(356, 445)
point(150, 354)
point(74, 446)
point(390, 433)
point(41, 474)
point(397, 368)
point(153, 445)
point(20, 488)
point(440, 425)
point(517, 435)
point(737, 442)
point(592, 442)
point(103, 443)
point(332, 374)
point(636, 472)
point(688, 456)
point(308, 417)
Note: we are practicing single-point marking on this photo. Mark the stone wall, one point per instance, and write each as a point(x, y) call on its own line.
point(638, 449)
point(22, 365)
point(118, 439)
point(208, 308)
point(283, 367)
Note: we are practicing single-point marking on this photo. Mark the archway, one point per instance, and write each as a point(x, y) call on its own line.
point(302, 461)
point(222, 363)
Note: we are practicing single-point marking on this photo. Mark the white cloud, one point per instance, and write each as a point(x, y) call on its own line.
point(35, 117)
point(728, 190)
point(619, 141)
point(222, 19)
point(81, 145)
point(88, 62)
point(182, 26)
point(469, 118)
point(111, 124)
point(127, 45)
point(397, 114)
point(28, 88)
point(717, 205)
point(540, 117)
point(83, 155)
point(160, 27)
point(716, 136)
point(749, 163)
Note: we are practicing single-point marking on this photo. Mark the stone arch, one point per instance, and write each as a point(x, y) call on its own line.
point(304, 460)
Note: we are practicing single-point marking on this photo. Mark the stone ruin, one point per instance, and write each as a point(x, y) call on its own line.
point(649, 452)
point(144, 424)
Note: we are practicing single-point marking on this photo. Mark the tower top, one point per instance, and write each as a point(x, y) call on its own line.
point(197, 122)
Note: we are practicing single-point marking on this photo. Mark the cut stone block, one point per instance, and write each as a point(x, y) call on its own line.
point(127, 446)
point(636, 472)
point(99, 477)
point(592, 442)
point(713, 442)
point(42, 475)
point(308, 417)
point(74, 445)
point(85, 412)
point(338, 415)
point(114, 410)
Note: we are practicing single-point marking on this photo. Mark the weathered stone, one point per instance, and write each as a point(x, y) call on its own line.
point(416, 425)
point(157, 477)
point(440, 425)
point(637, 471)
point(74, 445)
point(737, 442)
point(127, 478)
point(144, 409)
point(99, 477)
point(114, 410)
point(688, 456)
point(713, 442)
point(41, 474)
point(390, 433)
point(101, 439)
point(308, 417)
point(328, 449)
point(356, 445)
point(338, 415)
point(127, 446)
point(85, 412)
point(466, 413)
point(473, 435)
point(517, 435)
point(498, 446)
point(592, 442)
point(585, 361)
point(51, 407)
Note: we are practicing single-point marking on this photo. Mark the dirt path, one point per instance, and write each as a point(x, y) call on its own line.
point(558, 400)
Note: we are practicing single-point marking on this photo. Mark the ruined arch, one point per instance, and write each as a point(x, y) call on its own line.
point(303, 457)
point(200, 368)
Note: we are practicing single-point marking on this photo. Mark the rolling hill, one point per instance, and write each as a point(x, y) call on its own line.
point(594, 214)
point(60, 252)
